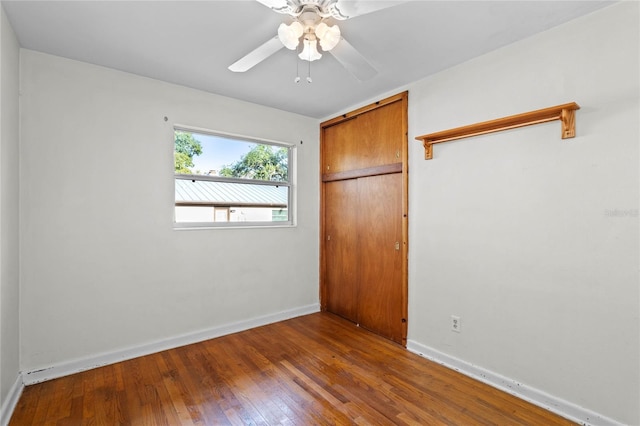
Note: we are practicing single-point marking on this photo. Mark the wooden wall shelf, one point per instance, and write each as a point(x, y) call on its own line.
point(565, 113)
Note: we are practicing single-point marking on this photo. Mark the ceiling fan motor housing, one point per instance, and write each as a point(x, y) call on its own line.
point(323, 8)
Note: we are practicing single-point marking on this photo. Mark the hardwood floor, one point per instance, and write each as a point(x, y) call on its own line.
point(313, 370)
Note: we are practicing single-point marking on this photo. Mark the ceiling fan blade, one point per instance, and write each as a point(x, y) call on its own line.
point(257, 55)
point(352, 8)
point(353, 61)
point(280, 6)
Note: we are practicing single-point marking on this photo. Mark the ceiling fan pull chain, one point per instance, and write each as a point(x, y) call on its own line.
point(309, 74)
point(297, 79)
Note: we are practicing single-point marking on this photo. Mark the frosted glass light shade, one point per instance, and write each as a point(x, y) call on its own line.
point(310, 51)
point(290, 35)
point(329, 36)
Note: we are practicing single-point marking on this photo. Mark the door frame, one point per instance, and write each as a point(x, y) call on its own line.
point(404, 99)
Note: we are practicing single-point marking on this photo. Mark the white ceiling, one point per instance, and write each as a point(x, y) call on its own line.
point(192, 43)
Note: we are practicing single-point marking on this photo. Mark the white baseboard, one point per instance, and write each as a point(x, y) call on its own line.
point(76, 366)
point(9, 404)
point(537, 397)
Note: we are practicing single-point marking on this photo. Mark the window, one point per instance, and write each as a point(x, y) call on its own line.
point(223, 180)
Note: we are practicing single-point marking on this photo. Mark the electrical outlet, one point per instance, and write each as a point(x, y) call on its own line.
point(456, 325)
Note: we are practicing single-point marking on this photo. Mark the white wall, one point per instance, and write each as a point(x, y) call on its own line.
point(102, 268)
point(9, 243)
point(531, 239)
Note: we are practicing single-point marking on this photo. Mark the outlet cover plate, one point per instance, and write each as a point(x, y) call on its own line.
point(456, 324)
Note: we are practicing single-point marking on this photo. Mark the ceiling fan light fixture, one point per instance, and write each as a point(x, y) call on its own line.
point(309, 28)
point(290, 35)
point(310, 50)
point(329, 36)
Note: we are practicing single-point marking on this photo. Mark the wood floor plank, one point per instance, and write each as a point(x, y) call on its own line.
point(303, 404)
point(267, 388)
point(382, 396)
point(313, 370)
point(379, 395)
point(195, 389)
point(241, 378)
point(176, 397)
point(227, 384)
point(88, 395)
point(29, 402)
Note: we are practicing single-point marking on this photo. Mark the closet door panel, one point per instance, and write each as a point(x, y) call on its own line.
point(380, 285)
point(341, 149)
point(381, 136)
point(340, 244)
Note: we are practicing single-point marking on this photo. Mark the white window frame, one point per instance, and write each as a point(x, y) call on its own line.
point(226, 225)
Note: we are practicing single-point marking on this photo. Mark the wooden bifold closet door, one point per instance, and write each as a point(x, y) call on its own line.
point(364, 217)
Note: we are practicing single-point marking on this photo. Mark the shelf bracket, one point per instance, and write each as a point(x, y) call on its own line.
point(566, 113)
point(568, 119)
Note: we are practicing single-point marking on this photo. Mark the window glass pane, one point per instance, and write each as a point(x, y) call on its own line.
point(279, 215)
point(211, 155)
point(220, 180)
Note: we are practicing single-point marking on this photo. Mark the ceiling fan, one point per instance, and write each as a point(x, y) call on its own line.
point(310, 28)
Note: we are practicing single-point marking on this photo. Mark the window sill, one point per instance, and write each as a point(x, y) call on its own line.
point(189, 227)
